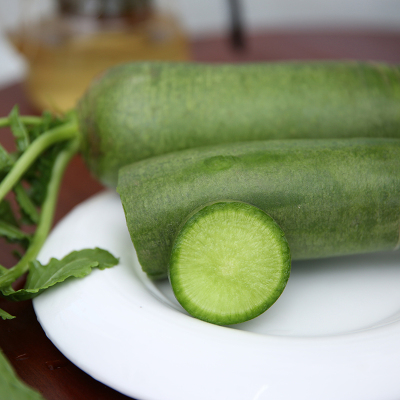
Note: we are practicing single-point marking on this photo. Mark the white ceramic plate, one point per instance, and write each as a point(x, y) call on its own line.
point(333, 334)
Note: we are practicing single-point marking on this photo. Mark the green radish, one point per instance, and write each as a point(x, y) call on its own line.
point(330, 196)
point(229, 263)
point(140, 110)
point(136, 111)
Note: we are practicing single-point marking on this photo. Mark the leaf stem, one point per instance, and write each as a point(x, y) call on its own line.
point(46, 217)
point(64, 132)
point(28, 120)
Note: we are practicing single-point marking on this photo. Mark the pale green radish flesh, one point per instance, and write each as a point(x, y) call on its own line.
point(229, 263)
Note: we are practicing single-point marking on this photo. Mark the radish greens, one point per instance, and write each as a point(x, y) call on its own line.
point(35, 182)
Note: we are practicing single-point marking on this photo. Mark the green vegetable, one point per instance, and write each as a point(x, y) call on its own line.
point(5, 315)
point(330, 197)
point(229, 263)
point(34, 172)
point(35, 182)
point(77, 264)
point(140, 110)
point(11, 387)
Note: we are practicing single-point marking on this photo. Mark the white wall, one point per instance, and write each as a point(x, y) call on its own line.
point(202, 16)
point(381, 14)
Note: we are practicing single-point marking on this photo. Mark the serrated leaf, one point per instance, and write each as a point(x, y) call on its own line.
point(103, 257)
point(48, 121)
point(39, 174)
point(9, 228)
point(29, 211)
point(11, 386)
point(77, 264)
point(6, 161)
point(12, 232)
point(19, 130)
point(7, 214)
point(5, 315)
point(5, 289)
point(38, 179)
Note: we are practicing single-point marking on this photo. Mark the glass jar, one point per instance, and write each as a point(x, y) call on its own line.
point(85, 37)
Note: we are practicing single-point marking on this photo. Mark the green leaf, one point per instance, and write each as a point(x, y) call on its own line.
point(6, 161)
point(35, 175)
point(77, 264)
point(5, 315)
point(48, 121)
point(29, 211)
point(7, 214)
point(11, 386)
point(38, 176)
point(9, 227)
point(5, 291)
point(11, 232)
point(19, 130)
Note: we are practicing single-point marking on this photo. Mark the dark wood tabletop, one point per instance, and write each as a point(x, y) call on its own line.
point(34, 357)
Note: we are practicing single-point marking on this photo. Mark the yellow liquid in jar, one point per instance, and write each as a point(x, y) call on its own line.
point(60, 74)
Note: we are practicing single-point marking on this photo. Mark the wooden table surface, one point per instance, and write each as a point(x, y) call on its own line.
point(33, 356)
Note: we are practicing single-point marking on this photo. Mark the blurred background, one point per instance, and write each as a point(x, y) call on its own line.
point(56, 46)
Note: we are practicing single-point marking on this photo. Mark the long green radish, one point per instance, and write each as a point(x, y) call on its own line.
point(229, 263)
point(330, 197)
point(136, 111)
